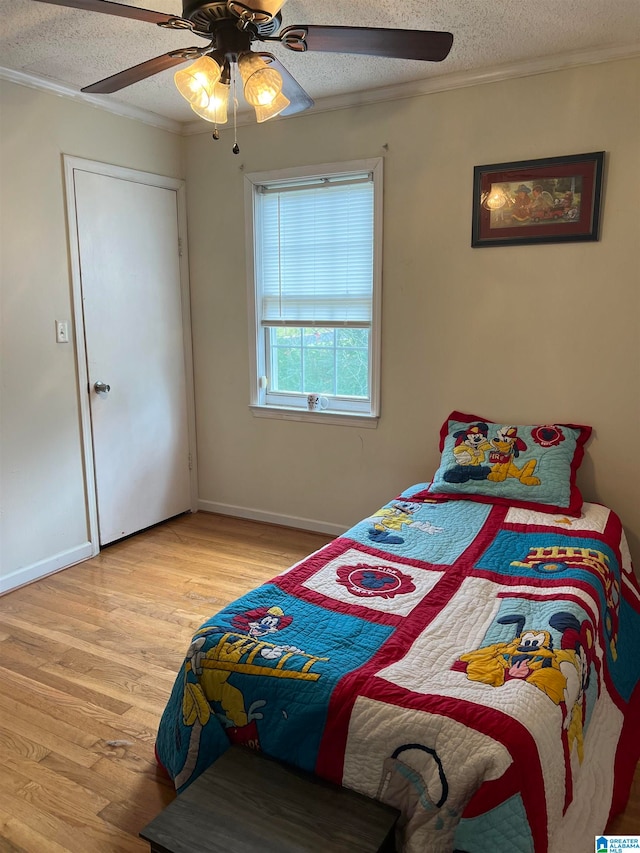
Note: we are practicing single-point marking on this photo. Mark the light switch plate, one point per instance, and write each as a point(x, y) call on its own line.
point(62, 332)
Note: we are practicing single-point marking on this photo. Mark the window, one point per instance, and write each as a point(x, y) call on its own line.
point(314, 279)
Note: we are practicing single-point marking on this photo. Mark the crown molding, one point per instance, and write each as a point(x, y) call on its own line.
point(45, 84)
point(464, 79)
point(431, 85)
point(447, 82)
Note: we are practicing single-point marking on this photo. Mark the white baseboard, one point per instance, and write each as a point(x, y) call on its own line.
point(50, 565)
point(46, 567)
point(272, 517)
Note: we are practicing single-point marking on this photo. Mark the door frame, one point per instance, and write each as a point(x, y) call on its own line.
point(71, 165)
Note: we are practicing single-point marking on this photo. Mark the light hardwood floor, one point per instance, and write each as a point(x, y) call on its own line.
point(87, 660)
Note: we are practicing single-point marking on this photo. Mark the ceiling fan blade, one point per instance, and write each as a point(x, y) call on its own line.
point(110, 8)
point(425, 45)
point(139, 72)
point(291, 89)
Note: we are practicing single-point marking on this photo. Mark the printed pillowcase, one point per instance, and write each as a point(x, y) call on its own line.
point(533, 467)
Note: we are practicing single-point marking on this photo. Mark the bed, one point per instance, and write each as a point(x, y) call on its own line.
point(465, 655)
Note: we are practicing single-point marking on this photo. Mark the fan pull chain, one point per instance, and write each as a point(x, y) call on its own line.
point(236, 147)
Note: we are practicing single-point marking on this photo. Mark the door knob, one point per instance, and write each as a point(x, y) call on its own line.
point(101, 387)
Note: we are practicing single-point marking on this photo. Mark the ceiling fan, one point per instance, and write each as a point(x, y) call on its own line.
point(231, 29)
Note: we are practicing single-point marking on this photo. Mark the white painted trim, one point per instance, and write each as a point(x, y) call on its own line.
point(272, 518)
point(71, 165)
point(314, 170)
point(44, 84)
point(256, 359)
point(464, 79)
point(187, 338)
point(110, 171)
point(335, 418)
point(430, 85)
point(45, 567)
point(447, 82)
point(257, 366)
point(375, 364)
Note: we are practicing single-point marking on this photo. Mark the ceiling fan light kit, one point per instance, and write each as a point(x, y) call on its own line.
point(196, 82)
point(266, 111)
point(231, 27)
point(261, 83)
point(216, 109)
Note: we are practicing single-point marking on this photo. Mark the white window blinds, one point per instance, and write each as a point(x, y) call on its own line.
point(314, 247)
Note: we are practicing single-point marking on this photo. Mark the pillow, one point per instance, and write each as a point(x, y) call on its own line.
point(533, 467)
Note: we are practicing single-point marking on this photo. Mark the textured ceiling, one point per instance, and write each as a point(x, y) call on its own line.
point(77, 48)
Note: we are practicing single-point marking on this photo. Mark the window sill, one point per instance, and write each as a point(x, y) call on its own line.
point(321, 417)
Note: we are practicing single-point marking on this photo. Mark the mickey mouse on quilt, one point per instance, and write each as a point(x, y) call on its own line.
point(470, 453)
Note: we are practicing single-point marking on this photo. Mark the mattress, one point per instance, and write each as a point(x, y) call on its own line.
point(474, 665)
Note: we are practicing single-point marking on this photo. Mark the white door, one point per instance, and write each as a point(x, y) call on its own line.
point(129, 267)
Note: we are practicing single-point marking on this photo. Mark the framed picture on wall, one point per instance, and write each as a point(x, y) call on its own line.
point(554, 200)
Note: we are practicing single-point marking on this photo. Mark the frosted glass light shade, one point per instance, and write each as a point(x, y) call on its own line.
point(279, 103)
point(216, 111)
point(262, 84)
point(196, 82)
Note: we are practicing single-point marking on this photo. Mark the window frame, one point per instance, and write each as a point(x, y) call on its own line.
point(292, 406)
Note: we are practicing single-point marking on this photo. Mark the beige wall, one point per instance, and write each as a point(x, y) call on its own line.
point(43, 519)
point(521, 334)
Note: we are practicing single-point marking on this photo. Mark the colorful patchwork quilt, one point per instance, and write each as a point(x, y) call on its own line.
point(474, 665)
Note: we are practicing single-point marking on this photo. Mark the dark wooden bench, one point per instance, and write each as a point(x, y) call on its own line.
point(249, 803)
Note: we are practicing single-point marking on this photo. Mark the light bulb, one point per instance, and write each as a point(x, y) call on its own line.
point(196, 82)
point(216, 110)
point(279, 103)
point(262, 84)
